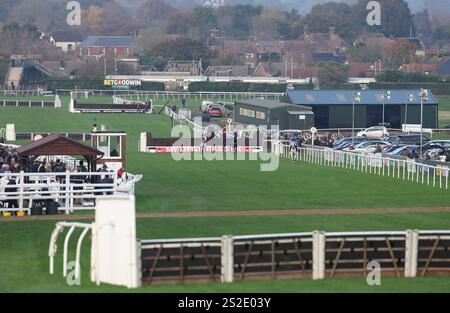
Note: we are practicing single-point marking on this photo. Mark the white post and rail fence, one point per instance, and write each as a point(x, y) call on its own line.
point(73, 191)
point(404, 169)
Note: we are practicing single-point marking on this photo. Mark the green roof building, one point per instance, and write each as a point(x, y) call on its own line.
point(270, 112)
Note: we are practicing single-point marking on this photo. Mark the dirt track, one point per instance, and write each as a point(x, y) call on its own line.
point(234, 213)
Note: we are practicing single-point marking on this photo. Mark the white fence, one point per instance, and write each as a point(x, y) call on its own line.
point(72, 190)
point(171, 95)
point(23, 93)
point(51, 103)
point(182, 118)
point(410, 170)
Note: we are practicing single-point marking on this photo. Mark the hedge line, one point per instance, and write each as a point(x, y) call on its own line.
point(241, 87)
point(95, 84)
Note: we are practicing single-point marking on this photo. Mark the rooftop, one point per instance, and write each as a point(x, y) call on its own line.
point(373, 96)
point(109, 41)
point(66, 36)
point(271, 104)
point(57, 144)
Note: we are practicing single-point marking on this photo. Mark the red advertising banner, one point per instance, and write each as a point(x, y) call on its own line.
point(198, 149)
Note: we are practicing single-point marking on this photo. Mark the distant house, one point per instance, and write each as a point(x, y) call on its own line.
point(215, 41)
point(372, 40)
point(312, 46)
point(418, 44)
point(419, 67)
point(379, 41)
point(97, 46)
point(230, 71)
point(260, 71)
point(65, 40)
point(187, 68)
point(260, 48)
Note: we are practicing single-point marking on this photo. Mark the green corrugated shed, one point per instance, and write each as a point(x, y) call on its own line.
point(269, 112)
point(333, 108)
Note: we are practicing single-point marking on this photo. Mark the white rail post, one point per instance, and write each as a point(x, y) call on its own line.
point(318, 255)
point(434, 176)
point(227, 269)
point(404, 169)
point(21, 189)
point(423, 172)
point(411, 253)
point(388, 167)
point(418, 171)
point(446, 178)
point(67, 191)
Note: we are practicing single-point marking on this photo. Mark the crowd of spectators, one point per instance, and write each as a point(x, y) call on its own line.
point(320, 139)
point(9, 160)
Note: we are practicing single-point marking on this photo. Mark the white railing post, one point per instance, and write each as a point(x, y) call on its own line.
point(21, 189)
point(411, 253)
point(318, 246)
point(227, 269)
point(67, 187)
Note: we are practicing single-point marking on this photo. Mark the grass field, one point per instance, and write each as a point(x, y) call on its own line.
point(220, 185)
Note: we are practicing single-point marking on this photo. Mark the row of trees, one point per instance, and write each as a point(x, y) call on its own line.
point(235, 21)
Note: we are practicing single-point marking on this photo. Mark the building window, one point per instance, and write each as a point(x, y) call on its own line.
point(110, 146)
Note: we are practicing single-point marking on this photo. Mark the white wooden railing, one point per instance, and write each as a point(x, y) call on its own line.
point(405, 169)
point(72, 190)
point(171, 95)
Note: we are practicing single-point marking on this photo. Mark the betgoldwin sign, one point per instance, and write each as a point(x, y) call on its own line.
point(122, 83)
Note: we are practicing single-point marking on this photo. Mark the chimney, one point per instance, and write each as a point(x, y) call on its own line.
point(332, 32)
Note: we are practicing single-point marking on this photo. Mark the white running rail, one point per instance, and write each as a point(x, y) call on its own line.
point(72, 190)
point(405, 169)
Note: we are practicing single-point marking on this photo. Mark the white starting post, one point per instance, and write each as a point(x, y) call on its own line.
point(115, 255)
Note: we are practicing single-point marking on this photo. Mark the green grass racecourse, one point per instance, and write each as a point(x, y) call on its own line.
point(223, 185)
point(220, 185)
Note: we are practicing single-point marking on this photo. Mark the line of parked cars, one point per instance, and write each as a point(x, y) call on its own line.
point(378, 140)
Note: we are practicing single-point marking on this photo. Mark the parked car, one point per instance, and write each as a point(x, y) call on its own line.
point(356, 140)
point(390, 139)
point(401, 150)
point(391, 148)
point(215, 111)
point(444, 143)
point(370, 146)
point(436, 149)
point(343, 145)
point(374, 132)
point(410, 139)
point(205, 105)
